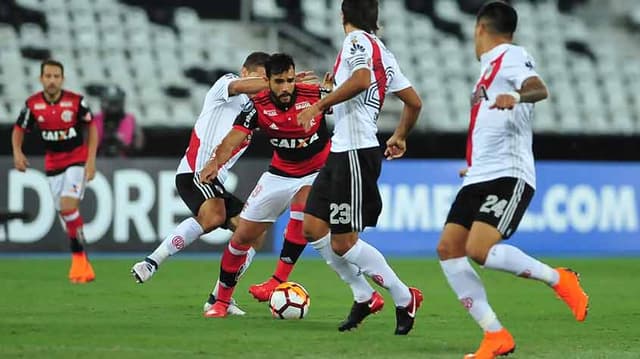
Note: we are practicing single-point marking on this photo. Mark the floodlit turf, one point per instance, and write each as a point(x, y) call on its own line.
point(43, 316)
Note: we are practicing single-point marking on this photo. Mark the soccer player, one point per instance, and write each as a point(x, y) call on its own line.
point(298, 155)
point(211, 205)
point(345, 197)
point(62, 117)
point(499, 181)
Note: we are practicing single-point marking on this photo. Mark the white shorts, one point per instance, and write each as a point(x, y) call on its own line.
point(272, 195)
point(70, 183)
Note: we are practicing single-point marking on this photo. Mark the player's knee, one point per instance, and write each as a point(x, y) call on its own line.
point(477, 253)
point(444, 250)
point(311, 232)
point(210, 221)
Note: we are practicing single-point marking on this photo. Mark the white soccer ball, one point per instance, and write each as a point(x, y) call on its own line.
point(289, 301)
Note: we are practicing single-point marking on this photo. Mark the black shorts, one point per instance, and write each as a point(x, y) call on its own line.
point(345, 193)
point(500, 203)
point(194, 193)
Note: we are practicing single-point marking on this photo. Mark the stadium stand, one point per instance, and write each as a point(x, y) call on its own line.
point(165, 61)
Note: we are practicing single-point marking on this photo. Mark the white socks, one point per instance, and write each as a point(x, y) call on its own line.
point(349, 273)
point(467, 285)
point(511, 259)
point(250, 254)
point(373, 264)
point(183, 235)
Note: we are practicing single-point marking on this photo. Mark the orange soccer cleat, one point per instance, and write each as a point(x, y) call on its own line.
point(262, 292)
point(569, 290)
point(493, 345)
point(219, 309)
point(81, 270)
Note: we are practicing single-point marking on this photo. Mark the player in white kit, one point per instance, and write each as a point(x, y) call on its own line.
point(499, 181)
point(345, 197)
point(211, 205)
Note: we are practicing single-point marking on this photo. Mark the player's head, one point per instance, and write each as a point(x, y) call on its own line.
point(361, 14)
point(51, 77)
point(281, 73)
point(253, 65)
point(496, 20)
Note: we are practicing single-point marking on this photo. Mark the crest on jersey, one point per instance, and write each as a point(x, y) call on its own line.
point(67, 116)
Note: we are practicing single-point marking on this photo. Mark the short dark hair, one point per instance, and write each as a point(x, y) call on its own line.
point(500, 16)
point(279, 63)
point(51, 62)
point(255, 60)
point(362, 14)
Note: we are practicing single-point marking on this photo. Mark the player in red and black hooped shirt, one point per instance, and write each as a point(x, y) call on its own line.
point(298, 155)
point(61, 117)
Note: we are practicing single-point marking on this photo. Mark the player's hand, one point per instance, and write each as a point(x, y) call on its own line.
point(209, 172)
point(20, 161)
point(396, 147)
point(306, 77)
point(504, 102)
point(327, 81)
point(463, 172)
point(90, 170)
point(306, 118)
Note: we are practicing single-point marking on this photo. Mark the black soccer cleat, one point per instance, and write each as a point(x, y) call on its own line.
point(405, 316)
point(359, 311)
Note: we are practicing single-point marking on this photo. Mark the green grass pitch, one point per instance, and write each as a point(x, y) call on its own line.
point(44, 316)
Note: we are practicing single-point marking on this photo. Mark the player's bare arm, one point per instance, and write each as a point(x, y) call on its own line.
point(92, 144)
point(253, 85)
point(247, 85)
point(222, 154)
point(359, 81)
point(533, 90)
point(397, 144)
point(20, 161)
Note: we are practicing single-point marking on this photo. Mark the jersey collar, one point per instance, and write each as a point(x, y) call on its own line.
point(492, 54)
point(54, 102)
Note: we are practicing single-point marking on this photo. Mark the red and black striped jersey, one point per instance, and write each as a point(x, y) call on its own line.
point(60, 125)
point(296, 152)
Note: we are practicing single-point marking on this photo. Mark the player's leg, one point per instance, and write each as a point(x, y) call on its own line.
point(462, 277)
point(316, 230)
point(270, 197)
point(292, 247)
point(355, 204)
point(208, 208)
point(233, 258)
point(499, 222)
point(233, 206)
point(68, 187)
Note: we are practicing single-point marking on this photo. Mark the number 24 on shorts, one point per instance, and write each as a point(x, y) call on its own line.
point(495, 205)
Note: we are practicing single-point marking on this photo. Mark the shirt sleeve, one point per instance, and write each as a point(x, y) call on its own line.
point(518, 67)
point(220, 89)
point(84, 112)
point(357, 52)
point(247, 120)
point(398, 81)
point(25, 119)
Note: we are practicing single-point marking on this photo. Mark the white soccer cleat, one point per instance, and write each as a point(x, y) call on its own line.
point(233, 308)
point(143, 271)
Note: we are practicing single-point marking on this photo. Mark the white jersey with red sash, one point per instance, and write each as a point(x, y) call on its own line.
point(499, 142)
point(355, 119)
